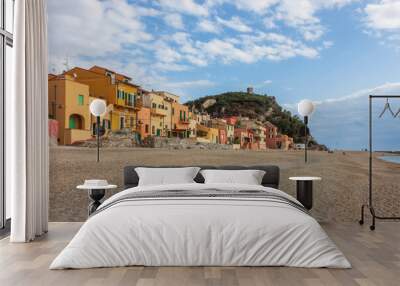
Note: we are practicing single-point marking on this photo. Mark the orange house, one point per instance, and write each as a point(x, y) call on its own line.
point(119, 92)
point(180, 120)
point(244, 137)
point(271, 132)
point(223, 139)
point(144, 122)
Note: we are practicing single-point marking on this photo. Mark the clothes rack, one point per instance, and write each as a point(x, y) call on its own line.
point(369, 203)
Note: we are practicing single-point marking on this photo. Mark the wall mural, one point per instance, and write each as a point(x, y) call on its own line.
point(196, 86)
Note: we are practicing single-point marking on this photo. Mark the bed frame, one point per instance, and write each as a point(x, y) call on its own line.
point(271, 177)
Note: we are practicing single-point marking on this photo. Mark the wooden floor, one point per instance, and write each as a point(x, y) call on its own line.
point(375, 257)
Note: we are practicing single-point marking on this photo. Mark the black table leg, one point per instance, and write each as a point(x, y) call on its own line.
point(305, 193)
point(96, 196)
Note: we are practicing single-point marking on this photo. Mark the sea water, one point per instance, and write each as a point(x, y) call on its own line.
point(392, 159)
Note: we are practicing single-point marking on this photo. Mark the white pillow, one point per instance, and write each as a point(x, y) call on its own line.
point(247, 177)
point(166, 176)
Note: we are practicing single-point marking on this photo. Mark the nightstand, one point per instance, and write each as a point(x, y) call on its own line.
point(304, 190)
point(96, 190)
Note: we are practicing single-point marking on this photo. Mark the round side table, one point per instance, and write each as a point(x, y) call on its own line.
point(304, 190)
point(96, 194)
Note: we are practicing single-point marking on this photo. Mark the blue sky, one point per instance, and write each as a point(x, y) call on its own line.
point(333, 52)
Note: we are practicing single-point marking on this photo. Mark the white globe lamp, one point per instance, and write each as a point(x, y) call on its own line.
point(305, 108)
point(98, 108)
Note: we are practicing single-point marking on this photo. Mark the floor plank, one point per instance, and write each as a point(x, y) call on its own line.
point(375, 257)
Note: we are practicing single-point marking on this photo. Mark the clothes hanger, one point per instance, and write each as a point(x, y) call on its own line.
point(387, 107)
point(397, 113)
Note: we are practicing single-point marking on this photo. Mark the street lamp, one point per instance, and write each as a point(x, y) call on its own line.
point(98, 108)
point(305, 109)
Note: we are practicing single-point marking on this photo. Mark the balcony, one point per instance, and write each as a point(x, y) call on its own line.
point(157, 112)
point(75, 135)
point(184, 120)
point(138, 104)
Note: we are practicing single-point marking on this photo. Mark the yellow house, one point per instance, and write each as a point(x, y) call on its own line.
point(160, 113)
point(117, 90)
point(207, 134)
point(192, 125)
point(69, 105)
point(179, 115)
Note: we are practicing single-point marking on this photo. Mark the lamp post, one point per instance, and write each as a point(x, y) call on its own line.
point(98, 108)
point(305, 109)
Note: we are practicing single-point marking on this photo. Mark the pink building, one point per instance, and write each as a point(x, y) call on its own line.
point(231, 120)
point(271, 133)
point(223, 139)
point(244, 137)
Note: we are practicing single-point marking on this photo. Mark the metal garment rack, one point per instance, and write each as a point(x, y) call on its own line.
point(369, 205)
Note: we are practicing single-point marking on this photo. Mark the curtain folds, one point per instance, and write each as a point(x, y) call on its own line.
point(27, 156)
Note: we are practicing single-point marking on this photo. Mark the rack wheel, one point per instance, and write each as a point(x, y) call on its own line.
point(361, 222)
point(372, 227)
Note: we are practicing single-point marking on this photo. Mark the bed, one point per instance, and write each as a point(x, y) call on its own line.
point(198, 224)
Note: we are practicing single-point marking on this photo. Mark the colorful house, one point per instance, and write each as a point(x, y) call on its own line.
point(221, 125)
point(231, 120)
point(207, 134)
point(144, 116)
point(284, 142)
point(117, 90)
point(160, 110)
point(258, 130)
point(192, 125)
point(230, 133)
point(179, 115)
point(271, 132)
point(69, 105)
point(244, 137)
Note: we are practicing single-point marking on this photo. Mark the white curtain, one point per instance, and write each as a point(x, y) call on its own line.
point(27, 157)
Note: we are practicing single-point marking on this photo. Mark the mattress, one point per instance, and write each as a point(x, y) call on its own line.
point(201, 225)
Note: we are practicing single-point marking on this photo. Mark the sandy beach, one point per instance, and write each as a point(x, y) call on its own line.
point(337, 197)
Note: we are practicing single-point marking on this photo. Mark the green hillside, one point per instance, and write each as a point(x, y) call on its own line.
point(254, 106)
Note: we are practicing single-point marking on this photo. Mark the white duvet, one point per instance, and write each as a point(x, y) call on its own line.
point(202, 232)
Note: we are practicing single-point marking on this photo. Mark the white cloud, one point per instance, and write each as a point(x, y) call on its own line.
point(256, 6)
point(269, 22)
point(382, 21)
point(174, 20)
point(122, 34)
point(208, 26)
point(184, 6)
point(347, 117)
point(235, 23)
point(384, 15)
point(72, 33)
point(190, 84)
point(299, 14)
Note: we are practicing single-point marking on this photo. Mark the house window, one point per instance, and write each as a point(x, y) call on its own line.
point(153, 130)
point(180, 114)
point(81, 99)
point(106, 124)
point(121, 122)
point(154, 105)
point(146, 128)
